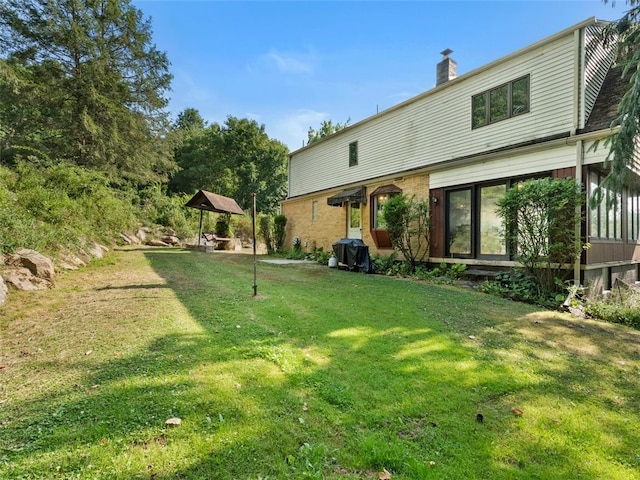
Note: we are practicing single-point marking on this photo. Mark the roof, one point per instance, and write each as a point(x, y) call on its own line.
point(213, 202)
point(605, 110)
point(458, 79)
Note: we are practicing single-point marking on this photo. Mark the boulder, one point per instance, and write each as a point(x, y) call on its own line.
point(125, 239)
point(171, 240)
point(39, 265)
point(22, 279)
point(157, 243)
point(97, 250)
point(141, 235)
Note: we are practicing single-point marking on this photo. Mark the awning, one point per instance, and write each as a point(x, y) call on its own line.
point(386, 189)
point(213, 202)
point(355, 195)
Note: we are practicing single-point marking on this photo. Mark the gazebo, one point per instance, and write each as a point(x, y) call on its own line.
point(213, 202)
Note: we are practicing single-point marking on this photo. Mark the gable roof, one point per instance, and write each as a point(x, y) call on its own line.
point(454, 81)
point(213, 202)
point(605, 110)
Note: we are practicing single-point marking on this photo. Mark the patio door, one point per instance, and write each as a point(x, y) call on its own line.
point(354, 220)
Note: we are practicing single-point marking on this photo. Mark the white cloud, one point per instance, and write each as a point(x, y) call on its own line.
point(296, 63)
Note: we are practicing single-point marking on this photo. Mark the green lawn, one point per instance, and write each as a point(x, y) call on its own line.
point(325, 374)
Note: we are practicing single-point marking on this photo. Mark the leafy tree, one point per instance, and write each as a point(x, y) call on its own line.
point(539, 218)
point(623, 143)
point(408, 223)
point(235, 159)
point(190, 119)
point(326, 128)
point(91, 85)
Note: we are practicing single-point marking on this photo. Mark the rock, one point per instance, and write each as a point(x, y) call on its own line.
point(171, 240)
point(97, 250)
point(157, 243)
point(39, 265)
point(125, 239)
point(22, 279)
point(4, 291)
point(141, 235)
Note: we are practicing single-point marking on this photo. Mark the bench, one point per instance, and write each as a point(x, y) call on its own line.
point(219, 243)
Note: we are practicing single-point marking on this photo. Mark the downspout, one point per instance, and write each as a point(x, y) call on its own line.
point(578, 122)
point(578, 225)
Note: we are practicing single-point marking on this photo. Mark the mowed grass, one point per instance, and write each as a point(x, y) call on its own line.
point(325, 374)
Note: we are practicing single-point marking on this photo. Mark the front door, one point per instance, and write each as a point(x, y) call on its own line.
point(354, 220)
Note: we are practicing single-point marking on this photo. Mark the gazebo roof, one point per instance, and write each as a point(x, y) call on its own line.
point(213, 202)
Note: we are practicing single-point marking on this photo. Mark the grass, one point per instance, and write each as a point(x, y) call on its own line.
point(325, 374)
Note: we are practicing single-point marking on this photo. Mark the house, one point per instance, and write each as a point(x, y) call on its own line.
point(536, 112)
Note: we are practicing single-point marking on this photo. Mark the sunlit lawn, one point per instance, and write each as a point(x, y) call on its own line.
point(325, 374)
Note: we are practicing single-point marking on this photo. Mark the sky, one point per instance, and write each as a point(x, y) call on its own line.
point(291, 64)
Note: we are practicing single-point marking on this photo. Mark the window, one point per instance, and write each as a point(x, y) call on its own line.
point(459, 222)
point(314, 210)
point(353, 154)
point(605, 219)
point(473, 228)
point(490, 223)
point(379, 197)
point(378, 228)
point(633, 216)
point(506, 101)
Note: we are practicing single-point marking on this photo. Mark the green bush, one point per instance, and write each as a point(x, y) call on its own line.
point(539, 218)
point(59, 207)
point(279, 232)
point(622, 306)
point(518, 285)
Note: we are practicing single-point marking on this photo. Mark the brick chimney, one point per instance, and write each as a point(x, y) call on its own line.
point(447, 69)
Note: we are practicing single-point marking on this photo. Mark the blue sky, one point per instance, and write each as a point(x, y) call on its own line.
point(292, 64)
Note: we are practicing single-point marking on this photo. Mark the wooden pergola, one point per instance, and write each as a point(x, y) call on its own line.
point(213, 202)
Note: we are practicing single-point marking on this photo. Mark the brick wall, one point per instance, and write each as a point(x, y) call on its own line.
point(330, 224)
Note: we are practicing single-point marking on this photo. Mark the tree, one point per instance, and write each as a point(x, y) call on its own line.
point(327, 128)
point(235, 159)
point(100, 82)
point(623, 143)
point(407, 221)
point(539, 218)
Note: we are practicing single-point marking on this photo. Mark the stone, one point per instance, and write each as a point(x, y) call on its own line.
point(157, 243)
point(39, 265)
point(125, 239)
point(171, 239)
point(22, 279)
point(141, 235)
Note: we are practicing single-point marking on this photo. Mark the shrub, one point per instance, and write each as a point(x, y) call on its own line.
point(408, 223)
point(621, 306)
point(539, 218)
point(279, 231)
point(265, 230)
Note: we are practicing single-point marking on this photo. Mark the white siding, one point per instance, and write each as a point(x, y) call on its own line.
point(597, 62)
point(506, 167)
point(436, 126)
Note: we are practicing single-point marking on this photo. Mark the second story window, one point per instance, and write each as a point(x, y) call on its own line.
point(506, 101)
point(353, 154)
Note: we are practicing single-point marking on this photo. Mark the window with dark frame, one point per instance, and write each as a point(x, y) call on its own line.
point(353, 154)
point(378, 228)
point(472, 225)
point(633, 216)
point(605, 219)
point(500, 103)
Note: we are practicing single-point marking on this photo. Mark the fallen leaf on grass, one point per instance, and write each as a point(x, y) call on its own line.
point(384, 474)
point(88, 352)
point(305, 407)
point(516, 411)
point(173, 421)
point(432, 463)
